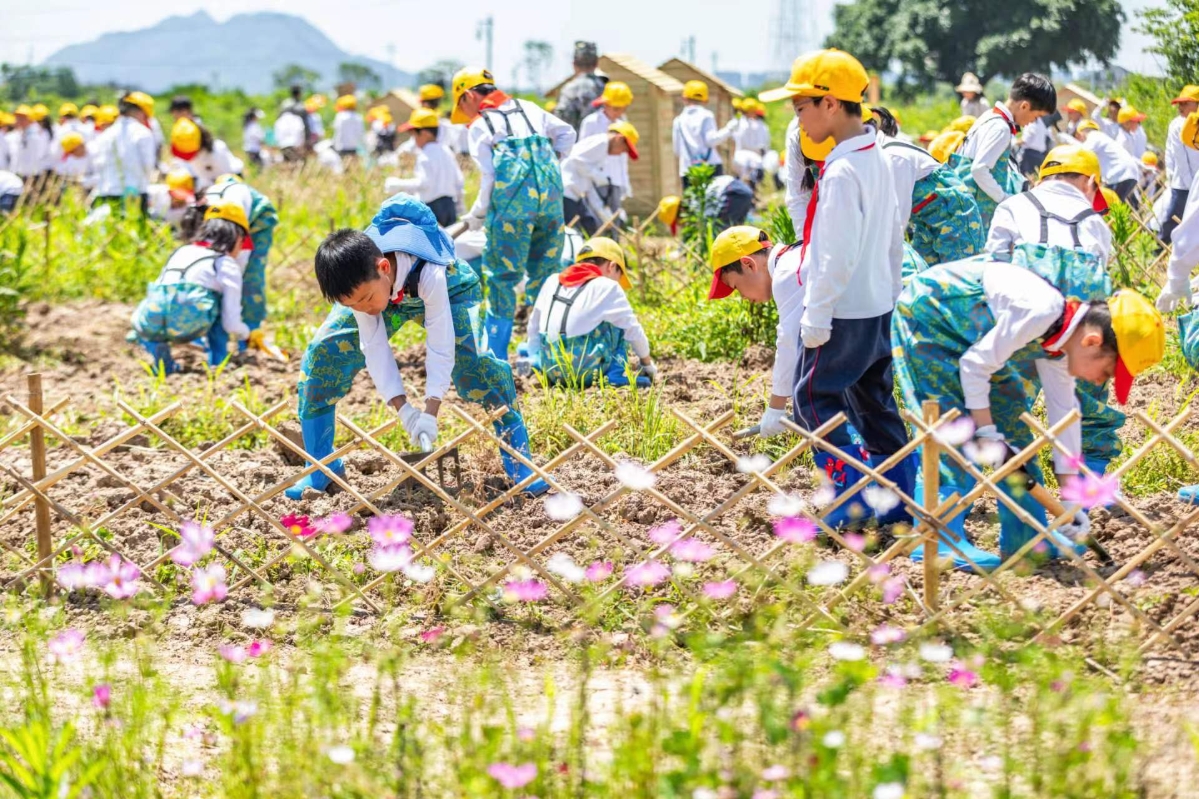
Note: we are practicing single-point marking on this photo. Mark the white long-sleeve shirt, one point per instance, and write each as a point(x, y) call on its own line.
point(617, 169)
point(1036, 136)
point(208, 165)
point(439, 328)
point(908, 164)
point(30, 151)
point(585, 170)
point(482, 139)
point(252, 136)
point(795, 196)
point(10, 183)
point(348, 131)
point(787, 288)
point(1106, 124)
point(1181, 161)
point(436, 174)
point(4, 150)
point(695, 137)
point(1184, 256)
point(751, 133)
point(1115, 163)
point(72, 167)
point(1136, 142)
point(986, 143)
point(597, 301)
point(125, 157)
point(856, 237)
point(1025, 307)
point(1017, 221)
point(222, 275)
point(289, 130)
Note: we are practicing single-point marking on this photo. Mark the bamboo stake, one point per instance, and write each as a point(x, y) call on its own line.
point(37, 447)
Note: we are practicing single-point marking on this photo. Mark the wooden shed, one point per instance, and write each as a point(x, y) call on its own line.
point(720, 96)
point(401, 103)
point(1071, 91)
point(657, 99)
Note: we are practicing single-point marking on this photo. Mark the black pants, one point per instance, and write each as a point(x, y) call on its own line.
point(586, 222)
point(8, 202)
point(1126, 191)
point(445, 210)
point(1031, 160)
point(852, 373)
point(1178, 204)
point(718, 171)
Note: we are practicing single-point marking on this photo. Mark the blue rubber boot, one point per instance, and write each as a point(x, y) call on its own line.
point(160, 353)
point(854, 513)
point(984, 560)
point(318, 442)
point(1189, 494)
point(617, 371)
point(517, 437)
point(1013, 533)
point(903, 475)
point(217, 344)
point(522, 349)
point(499, 333)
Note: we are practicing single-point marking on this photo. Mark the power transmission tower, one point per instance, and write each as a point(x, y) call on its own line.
point(484, 32)
point(792, 34)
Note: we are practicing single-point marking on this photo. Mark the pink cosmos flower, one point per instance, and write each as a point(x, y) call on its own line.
point(962, 677)
point(525, 591)
point(692, 550)
point(666, 534)
point(208, 585)
point(122, 578)
point(513, 777)
point(195, 541)
point(775, 773)
point(651, 572)
point(878, 572)
point(720, 590)
point(232, 653)
point(526, 734)
point(892, 679)
point(855, 542)
point(258, 648)
point(95, 574)
point(599, 571)
point(66, 646)
point(390, 530)
point(102, 696)
point(335, 524)
point(1136, 578)
point(892, 590)
point(885, 635)
point(795, 529)
point(390, 557)
point(72, 575)
point(298, 526)
point(1090, 491)
point(432, 635)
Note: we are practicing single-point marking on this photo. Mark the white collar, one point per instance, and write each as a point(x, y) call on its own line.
point(863, 142)
point(404, 262)
point(1070, 328)
point(1062, 189)
point(1004, 112)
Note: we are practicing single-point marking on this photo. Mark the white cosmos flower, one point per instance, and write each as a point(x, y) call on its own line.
point(882, 500)
point(785, 505)
point(418, 573)
point(258, 619)
point(753, 463)
point(341, 755)
point(985, 452)
point(936, 653)
point(824, 495)
point(634, 476)
point(888, 790)
point(563, 507)
point(829, 572)
point(834, 739)
point(955, 433)
point(564, 566)
point(926, 742)
point(846, 650)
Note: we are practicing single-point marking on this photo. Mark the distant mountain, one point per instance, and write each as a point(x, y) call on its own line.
point(244, 51)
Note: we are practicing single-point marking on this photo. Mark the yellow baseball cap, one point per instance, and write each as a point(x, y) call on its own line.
point(185, 138)
point(39, 112)
point(464, 81)
point(182, 185)
point(946, 144)
point(1110, 199)
point(142, 100)
point(730, 246)
point(1140, 338)
point(68, 110)
point(1071, 159)
point(609, 250)
point(962, 124)
point(1129, 114)
point(7, 119)
point(1189, 94)
point(421, 119)
point(630, 134)
point(22, 111)
point(317, 101)
point(430, 91)
point(551, 105)
point(1149, 158)
point(616, 94)
point(812, 150)
point(106, 115)
point(695, 90)
point(347, 102)
point(87, 110)
point(1087, 124)
point(668, 212)
point(70, 141)
point(230, 211)
point(1190, 131)
point(1077, 105)
point(739, 104)
point(828, 72)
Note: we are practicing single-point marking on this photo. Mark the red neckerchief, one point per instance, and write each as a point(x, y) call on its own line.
point(183, 155)
point(810, 217)
point(578, 274)
point(491, 101)
point(1072, 307)
point(1011, 123)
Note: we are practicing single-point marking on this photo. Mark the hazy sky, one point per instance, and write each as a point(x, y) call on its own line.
point(423, 31)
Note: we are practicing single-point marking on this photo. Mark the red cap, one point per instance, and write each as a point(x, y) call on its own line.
point(1123, 381)
point(597, 102)
point(719, 289)
point(184, 195)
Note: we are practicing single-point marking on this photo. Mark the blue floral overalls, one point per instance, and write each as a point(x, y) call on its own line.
point(1005, 172)
point(178, 311)
point(262, 218)
point(578, 361)
point(945, 224)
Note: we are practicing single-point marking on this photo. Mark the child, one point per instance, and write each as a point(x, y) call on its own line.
point(76, 162)
point(1120, 170)
point(851, 255)
point(348, 127)
point(967, 332)
point(1182, 163)
point(1131, 135)
point(582, 321)
point(204, 156)
point(520, 193)
point(585, 178)
point(1076, 111)
point(198, 293)
point(401, 269)
point(973, 102)
point(984, 161)
point(751, 140)
point(612, 107)
point(694, 134)
point(438, 179)
point(169, 201)
point(253, 135)
point(125, 154)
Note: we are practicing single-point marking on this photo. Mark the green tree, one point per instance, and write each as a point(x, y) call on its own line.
point(938, 40)
point(538, 57)
point(294, 74)
point(1175, 31)
point(440, 73)
point(360, 75)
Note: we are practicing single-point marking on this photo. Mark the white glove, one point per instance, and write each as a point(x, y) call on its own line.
point(1169, 299)
point(473, 222)
point(772, 422)
point(650, 370)
point(622, 216)
point(814, 337)
point(417, 424)
point(989, 432)
point(1079, 529)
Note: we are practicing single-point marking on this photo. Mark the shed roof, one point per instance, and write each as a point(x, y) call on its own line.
point(632, 64)
point(706, 77)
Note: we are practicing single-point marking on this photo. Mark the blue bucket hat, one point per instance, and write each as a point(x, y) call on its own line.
point(405, 224)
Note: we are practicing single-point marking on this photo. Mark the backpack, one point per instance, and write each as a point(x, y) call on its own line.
point(177, 312)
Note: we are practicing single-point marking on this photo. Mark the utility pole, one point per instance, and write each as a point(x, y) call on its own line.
point(715, 59)
point(691, 49)
point(484, 32)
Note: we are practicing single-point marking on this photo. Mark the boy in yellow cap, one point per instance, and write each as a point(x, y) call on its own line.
point(126, 155)
point(1107, 116)
point(348, 127)
point(966, 332)
point(205, 156)
point(694, 134)
point(582, 323)
point(167, 201)
point(851, 256)
point(1076, 112)
point(87, 120)
point(1182, 162)
point(29, 148)
point(75, 162)
point(438, 179)
point(1131, 135)
point(585, 180)
point(611, 107)
point(1185, 254)
point(517, 146)
point(1120, 170)
point(751, 141)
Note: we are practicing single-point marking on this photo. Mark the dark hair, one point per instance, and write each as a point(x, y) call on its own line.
point(853, 109)
point(180, 102)
point(47, 125)
point(192, 219)
point(125, 108)
point(296, 91)
point(595, 260)
point(484, 88)
point(885, 121)
point(346, 259)
point(221, 235)
point(432, 105)
point(250, 116)
point(1099, 316)
point(735, 267)
point(808, 182)
point(205, 138)
point(1037, 90)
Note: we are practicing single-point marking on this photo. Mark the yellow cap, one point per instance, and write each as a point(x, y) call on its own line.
point(1110, 199)
point(230, 211)
point(1190, 131)
point(551, 106)
point(1087, 124)
point(946, 144)
point(828, 72)
point(609, 250)
point(730, 246)
point(181, 179)
point(185, 138)
point(347, 102)
point(630, 134)
point(142, 100)
point(22, 110)
point(7, 120)
point(1071, 159)
point(962, 124)
point(1140, 338)
point(695, 90)
point(616, 94)
point(668, 209)
point(422, 119)
point(430, 91)
point(70, 141)
point(1149, 158)
point(68, 110)
point(812, 150)
point(739, 104)
point(1077, 105)
point(1129, 114)
point(38, 112)
point(87, 110)
point(316, 100)
point(464, 81)
point(1189, 94)
point(106, 115)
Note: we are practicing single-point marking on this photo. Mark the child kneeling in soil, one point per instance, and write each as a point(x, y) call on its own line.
point(401, 269)
point(975, 335)
point(198, 293)
point(582, 323)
